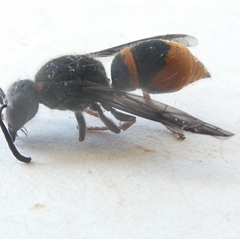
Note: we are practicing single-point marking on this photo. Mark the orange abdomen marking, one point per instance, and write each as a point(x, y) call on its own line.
point(129, 62)
point(181, 69)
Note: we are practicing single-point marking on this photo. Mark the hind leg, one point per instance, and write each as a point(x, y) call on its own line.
point(179, 135)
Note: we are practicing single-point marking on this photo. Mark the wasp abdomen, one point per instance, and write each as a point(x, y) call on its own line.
point(156, 66)
point(181, 69)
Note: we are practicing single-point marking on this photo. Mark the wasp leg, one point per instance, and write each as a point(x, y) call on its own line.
point(94, 129)
point(126, 125)
point(179, 135)
point(81, 126)
point(91, 112)
point(95, 114)
point(121, 116)
point(108, 122)
point(123, 126)
point(128, 120)
point(146, 95)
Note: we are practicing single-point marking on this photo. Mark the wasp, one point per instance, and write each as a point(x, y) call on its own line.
point(79, 83)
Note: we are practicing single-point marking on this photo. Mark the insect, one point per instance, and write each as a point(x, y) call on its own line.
point(155, 65)
point(79, 83)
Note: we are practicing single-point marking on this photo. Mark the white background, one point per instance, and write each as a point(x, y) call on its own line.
point(140, 183)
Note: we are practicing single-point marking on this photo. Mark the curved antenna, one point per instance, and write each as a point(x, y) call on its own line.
point(10, 142)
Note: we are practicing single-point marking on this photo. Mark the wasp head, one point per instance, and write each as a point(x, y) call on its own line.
point(22, 105)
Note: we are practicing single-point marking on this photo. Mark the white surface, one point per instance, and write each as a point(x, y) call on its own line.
point(142, 182)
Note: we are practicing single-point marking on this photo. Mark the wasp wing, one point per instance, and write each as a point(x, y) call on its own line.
point(183, 39)
point(153, 110)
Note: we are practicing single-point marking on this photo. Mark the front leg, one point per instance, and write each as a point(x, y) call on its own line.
point(81, 125)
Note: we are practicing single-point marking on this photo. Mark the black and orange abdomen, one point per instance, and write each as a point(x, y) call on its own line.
point(156, 66)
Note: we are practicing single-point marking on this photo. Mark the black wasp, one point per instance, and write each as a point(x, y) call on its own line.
point(79, 83)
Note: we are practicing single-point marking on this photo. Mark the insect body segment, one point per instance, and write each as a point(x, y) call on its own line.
point(156, 66)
